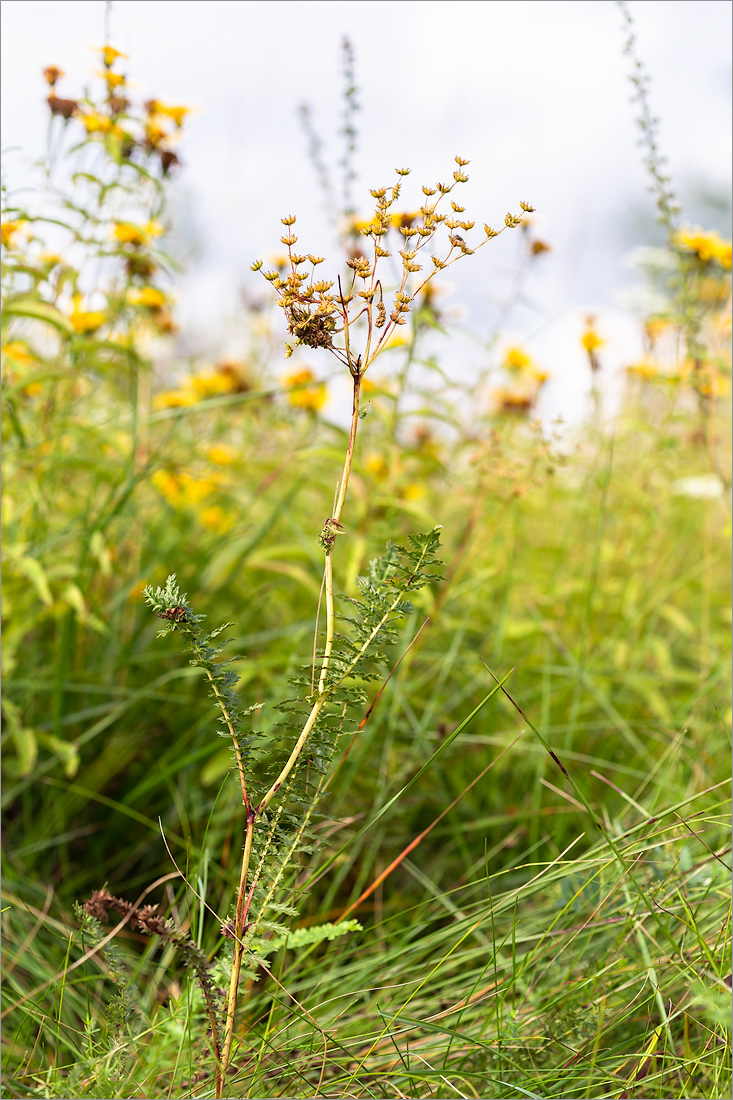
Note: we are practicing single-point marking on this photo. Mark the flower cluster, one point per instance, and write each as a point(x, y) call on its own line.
point(149, 135)
point(318, 310)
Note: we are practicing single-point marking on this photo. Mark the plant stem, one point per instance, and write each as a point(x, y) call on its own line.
point(335, 519)
point(238, 952)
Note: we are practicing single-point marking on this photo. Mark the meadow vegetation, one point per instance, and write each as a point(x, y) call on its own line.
point(497, 861)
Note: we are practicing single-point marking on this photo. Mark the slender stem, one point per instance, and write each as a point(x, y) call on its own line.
point(328, 565)
point(230, 727)
point(238, 952)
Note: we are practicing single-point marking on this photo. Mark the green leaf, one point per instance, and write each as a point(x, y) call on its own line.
point(41, 311)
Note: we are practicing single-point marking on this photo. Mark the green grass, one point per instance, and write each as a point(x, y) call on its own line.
point(514, 951)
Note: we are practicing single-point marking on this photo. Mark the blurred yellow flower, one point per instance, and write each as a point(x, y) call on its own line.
point(175, 399)
point(221, 454)
point(644, 369)
point(398, 340)
point(110, 55)
point(313, 398)
point(83, 320)
point(114, 80)
point(513, 401)
point(655, 327)
point(94, 123)
point(175, 114)
point(150, 297)
point(591, 340)
point(540, 376)
point(7, 232)
point(516, 360)
point(211, 383)
point(706, 246)
point(413, 491)
point(52, 74)
point(17, 350)
point(215, 518)
point(376, 466)
point(128, 233)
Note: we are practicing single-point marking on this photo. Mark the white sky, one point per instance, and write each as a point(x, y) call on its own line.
point(534, 93)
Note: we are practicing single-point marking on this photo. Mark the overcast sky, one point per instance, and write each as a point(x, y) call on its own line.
point(534, 92)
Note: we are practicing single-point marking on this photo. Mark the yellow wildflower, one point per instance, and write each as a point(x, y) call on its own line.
point(398, 340)
point(591, 340)
point(194, 489)
point(516, 360)
point(175, 114)
point(94, 123)
point(655, 327)
point(175, 399)
point(540, 376)
point(376, 466)
point(404, 219)
point(167, 485)
point(52, 74)
point(128, 233)
point(83, 320)
point(8, 231)
point(114, 80)
point(513, 401)
point(215, 518)
point(211, 383)
point(149, 297)
point(17, 350)
point(221, 454)
point(643, 369)
point(110, 55)
point(413, 491)
point(312, 398)
point(706, 246)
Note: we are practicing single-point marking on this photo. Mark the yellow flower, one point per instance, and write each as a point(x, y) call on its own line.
point(404, 218)
point(413, 491)
point(706, 246)
point(175, 114)
point(128, 233)
point(516, 360)
point(110, 55)
point(643, 369)
point(52, 74)
point(376, 466)
point(114, 80)
point(398, 340)
point(8, 231)
point(590, 340)
point(540, 376)
point(95, 123)
point(17, 350)
point(175, 399)
point(220, 454)
point(149, 297)
point(513, 401)
point(655, 327)
point(210, 383)
point(312, 398)
point(167, 485)
point(83, 320)
point(215, 518)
